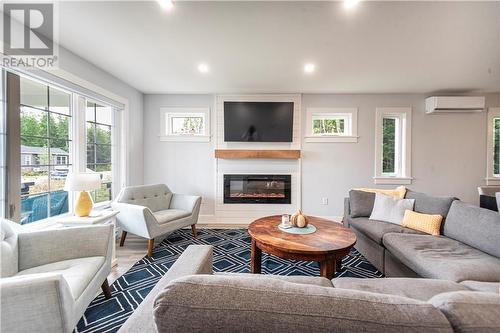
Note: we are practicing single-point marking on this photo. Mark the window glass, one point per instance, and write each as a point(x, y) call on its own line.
point(329, 125)
point(181, 125)
point(389, 145)
point(496, 146)
point(45, 116)
point(99, 148)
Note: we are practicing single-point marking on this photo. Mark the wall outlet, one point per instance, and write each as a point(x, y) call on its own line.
point(324, 201)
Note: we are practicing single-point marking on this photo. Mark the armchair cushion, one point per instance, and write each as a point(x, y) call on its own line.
point(48, 246)
point(185, 202)
point(9, 248)
point(167, 215)
point(77, 272)
point(155, 197)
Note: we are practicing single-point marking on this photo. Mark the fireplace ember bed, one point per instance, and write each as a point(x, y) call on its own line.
point(257, 189)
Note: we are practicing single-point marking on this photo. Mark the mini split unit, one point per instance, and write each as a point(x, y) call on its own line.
point(454, 104)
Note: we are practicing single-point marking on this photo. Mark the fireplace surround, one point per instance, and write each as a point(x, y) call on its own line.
point(257, 189)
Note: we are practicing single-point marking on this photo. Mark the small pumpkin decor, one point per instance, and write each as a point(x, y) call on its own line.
point(299, 220)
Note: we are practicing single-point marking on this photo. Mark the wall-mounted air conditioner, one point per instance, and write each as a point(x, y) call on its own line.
point(457, 104)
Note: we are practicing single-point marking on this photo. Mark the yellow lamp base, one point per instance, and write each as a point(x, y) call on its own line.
point(84, 204)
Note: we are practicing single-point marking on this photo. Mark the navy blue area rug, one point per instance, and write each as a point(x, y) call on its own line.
point(231, 254)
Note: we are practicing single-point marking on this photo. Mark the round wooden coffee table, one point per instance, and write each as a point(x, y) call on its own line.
point(327, 245)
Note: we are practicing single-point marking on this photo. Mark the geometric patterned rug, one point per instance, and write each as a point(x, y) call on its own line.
point(231, 254)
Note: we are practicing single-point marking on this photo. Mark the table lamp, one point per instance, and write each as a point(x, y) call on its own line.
point(83, 182)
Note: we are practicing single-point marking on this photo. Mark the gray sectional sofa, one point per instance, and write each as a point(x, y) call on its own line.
point(467, 252)
point(190, 298)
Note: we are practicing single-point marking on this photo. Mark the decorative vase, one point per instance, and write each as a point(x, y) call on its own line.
point(299, 220)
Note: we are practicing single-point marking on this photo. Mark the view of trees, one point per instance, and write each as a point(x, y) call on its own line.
point(328, 126)
point(35, 130)
point(389, 145)
point(496, 146)
point(187, 125)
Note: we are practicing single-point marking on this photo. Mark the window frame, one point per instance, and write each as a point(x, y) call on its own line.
point(350, 116)
point(168, 113)
point(491, 177)
point(402, 172)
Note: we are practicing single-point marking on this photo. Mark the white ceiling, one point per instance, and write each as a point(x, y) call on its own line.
point(380, 47)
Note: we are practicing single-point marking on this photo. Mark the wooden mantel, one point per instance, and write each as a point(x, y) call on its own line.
point(246, 153)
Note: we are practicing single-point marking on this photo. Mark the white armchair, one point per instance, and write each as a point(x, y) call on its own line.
point(150, 211)
point(49, 278)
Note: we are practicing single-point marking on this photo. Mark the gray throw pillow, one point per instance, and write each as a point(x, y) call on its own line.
point(389, 209)
point(361, 203)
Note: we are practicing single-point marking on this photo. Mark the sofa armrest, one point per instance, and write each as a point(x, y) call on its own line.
point(196, 259)
point(135, 219)
point(36, 303)
point(185, 202)
point(47, 246)
point(347, 212)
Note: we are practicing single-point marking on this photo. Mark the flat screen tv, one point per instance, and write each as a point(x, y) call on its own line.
point(258, 121)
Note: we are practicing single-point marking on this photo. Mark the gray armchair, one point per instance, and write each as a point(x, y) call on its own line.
point(150, 211)
point(49, 277)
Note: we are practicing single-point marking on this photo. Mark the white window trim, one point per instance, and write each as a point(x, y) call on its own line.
point(351, 135)
point(491, 179)
point(166, 114)
point(403, 174)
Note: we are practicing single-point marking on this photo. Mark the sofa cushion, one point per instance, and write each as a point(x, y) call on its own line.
point(361, 203)
point(477, 227)
point(390, 209)
point(156, 197)
point(422, 289)
point(311, 280)
point(429, 204)
point(247, 304)
point(442, 258)
point(375, 230)
point(167, 215)
point(488, 287)
point(77, 272)
point(469, 311)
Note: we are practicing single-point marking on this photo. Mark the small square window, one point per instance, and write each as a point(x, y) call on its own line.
point(185, 124)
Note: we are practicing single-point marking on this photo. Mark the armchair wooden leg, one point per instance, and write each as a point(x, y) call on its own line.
point(105, 289)
point(151, 245)
point(122, 238)
point(193, 230)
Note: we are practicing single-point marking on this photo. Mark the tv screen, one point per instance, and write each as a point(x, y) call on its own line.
point(258, 121)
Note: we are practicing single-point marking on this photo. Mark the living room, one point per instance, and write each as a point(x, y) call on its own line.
point(346, 153)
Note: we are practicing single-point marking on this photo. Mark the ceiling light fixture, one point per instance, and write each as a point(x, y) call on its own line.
point(309, 68)
point(166, 4)
point(349, 4)
point(203, 68)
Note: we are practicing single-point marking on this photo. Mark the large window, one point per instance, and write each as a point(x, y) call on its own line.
point(45, 122)
point(99, 121)
point(51, 132)
point(493, 147)
point(393, 146)
point(331, 125)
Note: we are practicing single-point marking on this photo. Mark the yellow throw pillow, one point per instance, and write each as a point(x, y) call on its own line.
point(398, 192)
point(430, 224)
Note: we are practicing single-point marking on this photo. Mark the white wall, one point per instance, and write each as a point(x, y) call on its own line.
point(72, 64)
point(448, 152)
point(187, 167)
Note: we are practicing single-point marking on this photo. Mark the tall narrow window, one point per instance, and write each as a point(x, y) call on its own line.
point(45, 121)
point(393, 146)
point(493, 148)
point(99, 119)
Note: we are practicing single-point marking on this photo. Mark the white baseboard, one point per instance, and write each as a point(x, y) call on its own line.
point(239, 221)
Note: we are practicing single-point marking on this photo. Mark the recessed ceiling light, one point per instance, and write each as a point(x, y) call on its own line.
point(203, 68)
point(309, 68)
point(166, 4)
point(349, 4)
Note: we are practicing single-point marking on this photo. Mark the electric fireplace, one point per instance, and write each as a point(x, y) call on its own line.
point(257, 189)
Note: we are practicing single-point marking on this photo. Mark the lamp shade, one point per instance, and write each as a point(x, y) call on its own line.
point(82, 182)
